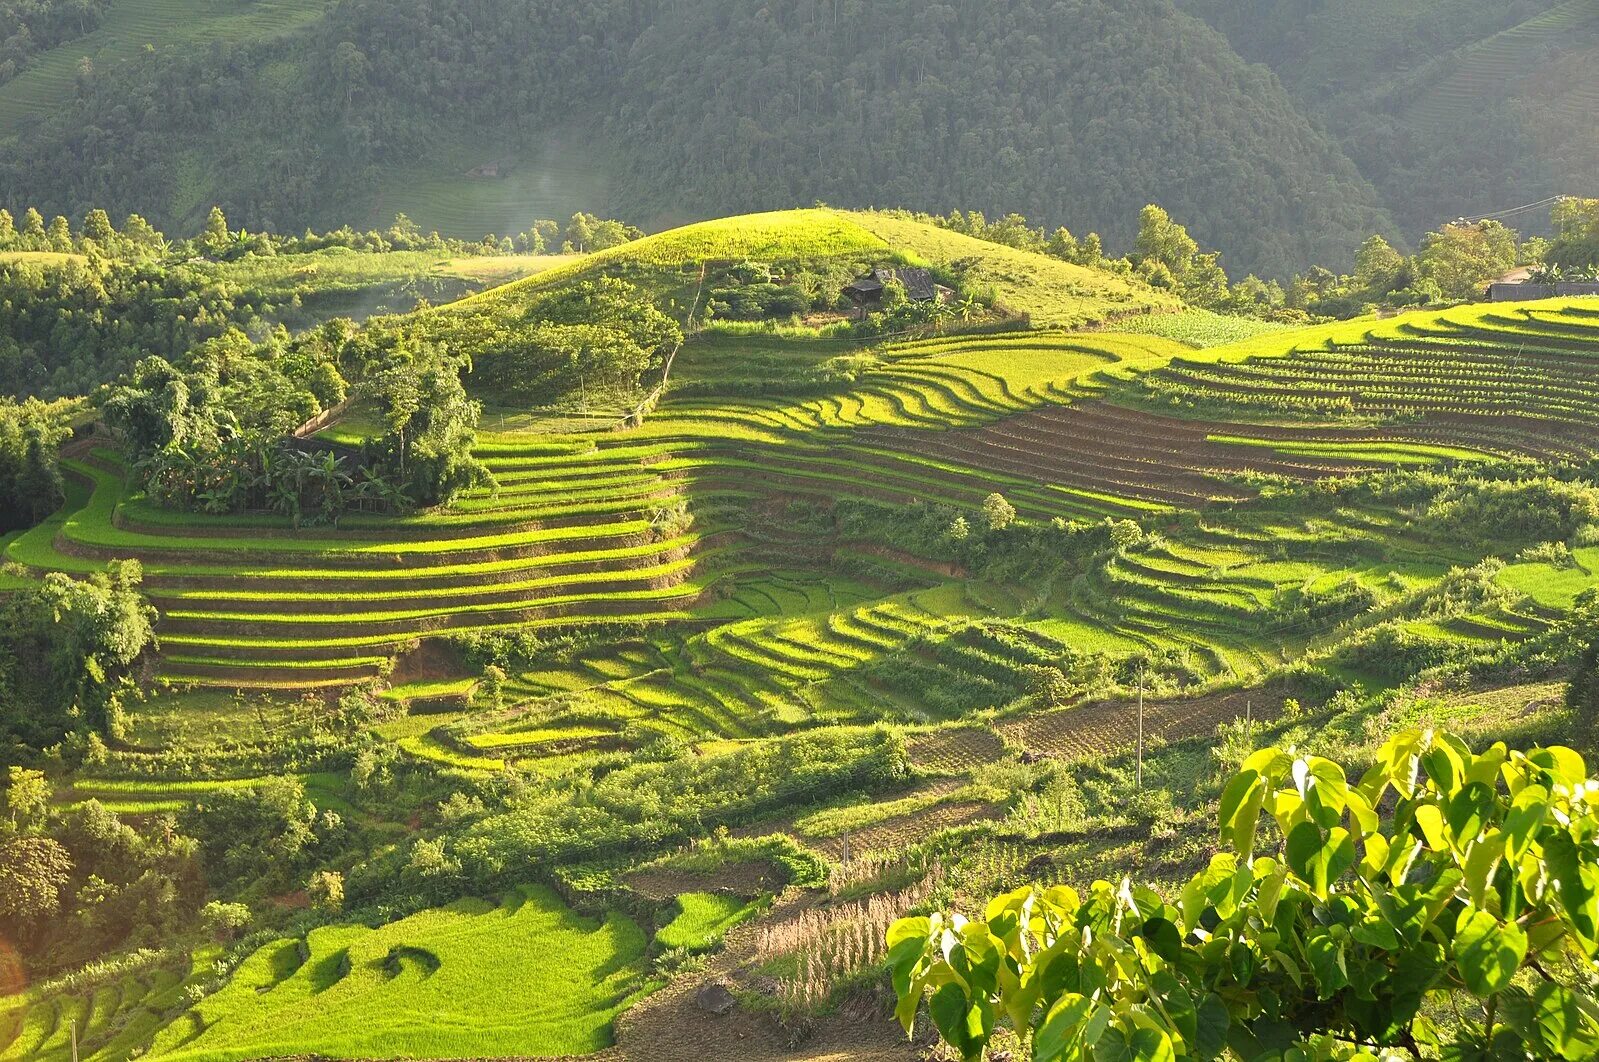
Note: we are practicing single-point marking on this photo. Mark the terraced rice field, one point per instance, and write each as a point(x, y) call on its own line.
point(580, 530)
point(723, 605)
point(112, 1020)
point(653, 526)
point(1503, 379)
point(1480, 73)
point(725, 622)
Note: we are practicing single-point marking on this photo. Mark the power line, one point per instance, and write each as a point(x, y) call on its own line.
point(1514, 210)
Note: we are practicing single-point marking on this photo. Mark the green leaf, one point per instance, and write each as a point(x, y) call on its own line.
point(1561, 1026)
point(909, 1001)
point(1327, 962)
point(1480, 863)
point(1485, 768)
point(1443, 766)
point(903, 958)
point(1318, 860)
point(965, 1024)
point(1210, 1037)
point(1578, 880)
point(1271, 764)
point(1469, 811)
point(1063, 1027)
point(1487, 954)
point(1375, 933)
point(1565, 765)
point(1197, 893)
point(1241, 802)
point(1304, 849)
point(1058, 973)
point(1178, 1005)
point(1142, 1044)
point(1526, 815)
point(1163, 938)
point(1325, 791)
point(909, 928)
point(1431, 821)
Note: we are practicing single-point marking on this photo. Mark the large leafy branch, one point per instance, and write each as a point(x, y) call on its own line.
point(1446, 905)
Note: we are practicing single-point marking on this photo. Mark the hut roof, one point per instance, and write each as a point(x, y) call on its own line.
point(918, 283)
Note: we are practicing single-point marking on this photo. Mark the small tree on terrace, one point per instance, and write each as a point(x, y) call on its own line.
point(1377, 264)
point(1576, 227)
point(1000, 513)
point(215, 238)
point(1471, 881)
point(326, 890)
point(1460, 258)
point(27, 797)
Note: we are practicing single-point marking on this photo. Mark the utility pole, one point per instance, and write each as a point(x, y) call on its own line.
point(1140, 728)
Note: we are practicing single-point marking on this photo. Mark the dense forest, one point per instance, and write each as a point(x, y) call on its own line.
point(1354, 122)
point(1070, 113)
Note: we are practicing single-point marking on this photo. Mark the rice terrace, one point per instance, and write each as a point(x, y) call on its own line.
point(811, 633)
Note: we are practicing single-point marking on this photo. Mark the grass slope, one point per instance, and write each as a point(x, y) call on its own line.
point(450, 982)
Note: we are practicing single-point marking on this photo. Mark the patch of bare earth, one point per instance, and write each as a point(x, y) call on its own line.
point(673, 1025)
point(1107, 727)
point(747, 879)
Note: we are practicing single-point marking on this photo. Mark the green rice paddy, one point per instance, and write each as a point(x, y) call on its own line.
point(703, 918)
point(449, 982)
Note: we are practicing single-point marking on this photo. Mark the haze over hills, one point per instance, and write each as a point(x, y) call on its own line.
point(1076, 114)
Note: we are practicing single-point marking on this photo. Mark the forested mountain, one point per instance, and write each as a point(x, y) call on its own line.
point(1450, 107)
point(473, 116)
point(1074, 113)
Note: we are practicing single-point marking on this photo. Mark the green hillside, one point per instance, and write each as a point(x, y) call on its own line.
point(698, 696)
point(1047, 290)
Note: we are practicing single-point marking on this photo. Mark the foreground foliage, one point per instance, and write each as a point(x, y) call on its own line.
point(1440, 878)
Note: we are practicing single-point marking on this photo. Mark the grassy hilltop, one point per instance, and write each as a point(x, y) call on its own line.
point(848, 624)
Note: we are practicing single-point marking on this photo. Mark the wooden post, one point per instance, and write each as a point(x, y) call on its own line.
point(74, 1040)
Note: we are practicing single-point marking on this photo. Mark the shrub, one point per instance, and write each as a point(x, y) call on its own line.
point(222, 921)
point(1582, 695)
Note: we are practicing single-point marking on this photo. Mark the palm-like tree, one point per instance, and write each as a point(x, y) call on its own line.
point(329, 483)
point(365, 493)
point(288, 487)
